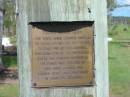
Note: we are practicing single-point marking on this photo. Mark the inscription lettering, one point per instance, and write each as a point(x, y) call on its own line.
point(61, 58)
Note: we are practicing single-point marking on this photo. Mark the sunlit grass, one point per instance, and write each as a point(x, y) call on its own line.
point(119, 61)
point(9, 90)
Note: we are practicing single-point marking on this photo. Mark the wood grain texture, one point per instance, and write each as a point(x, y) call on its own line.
point(101, 48)
point(62, 10)
point(59, 10)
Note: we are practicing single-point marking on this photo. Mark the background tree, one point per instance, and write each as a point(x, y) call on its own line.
point(9, 18)
point(111, 4)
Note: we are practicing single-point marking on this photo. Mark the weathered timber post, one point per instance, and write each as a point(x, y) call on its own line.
point(62, 48)
point(1, 32)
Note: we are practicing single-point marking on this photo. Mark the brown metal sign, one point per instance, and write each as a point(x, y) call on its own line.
point(62, 54)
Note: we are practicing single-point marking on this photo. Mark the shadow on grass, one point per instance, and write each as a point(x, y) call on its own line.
point(10, 68)
point(9, 61)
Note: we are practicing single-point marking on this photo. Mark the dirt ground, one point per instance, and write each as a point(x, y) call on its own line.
point(9, 76)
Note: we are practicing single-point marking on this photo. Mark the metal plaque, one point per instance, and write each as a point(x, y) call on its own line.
point(62, 54)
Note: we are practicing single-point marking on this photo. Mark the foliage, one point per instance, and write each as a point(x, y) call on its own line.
point(111, 4)
point(9, 14)
point(13, 40)
point(9, 61)
point(1, 4)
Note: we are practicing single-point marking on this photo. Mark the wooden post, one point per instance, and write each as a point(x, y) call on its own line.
point(35, 11)
point(1, 32)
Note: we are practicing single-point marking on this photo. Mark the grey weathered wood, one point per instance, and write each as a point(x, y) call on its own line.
point(1, 32)
point(63, 10)
point(59, 10)
point(101, 48)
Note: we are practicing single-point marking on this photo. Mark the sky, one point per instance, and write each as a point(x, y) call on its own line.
point(122, 11)
point(122, 2)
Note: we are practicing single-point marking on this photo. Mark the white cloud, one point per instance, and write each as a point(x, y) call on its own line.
point(122, 2)
point(128, 1)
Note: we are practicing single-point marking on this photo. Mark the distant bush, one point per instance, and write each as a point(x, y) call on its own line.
point(125, 29)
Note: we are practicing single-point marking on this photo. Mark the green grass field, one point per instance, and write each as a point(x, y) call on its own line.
point(119, 32)
point(119, 61)
point(119, 66)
